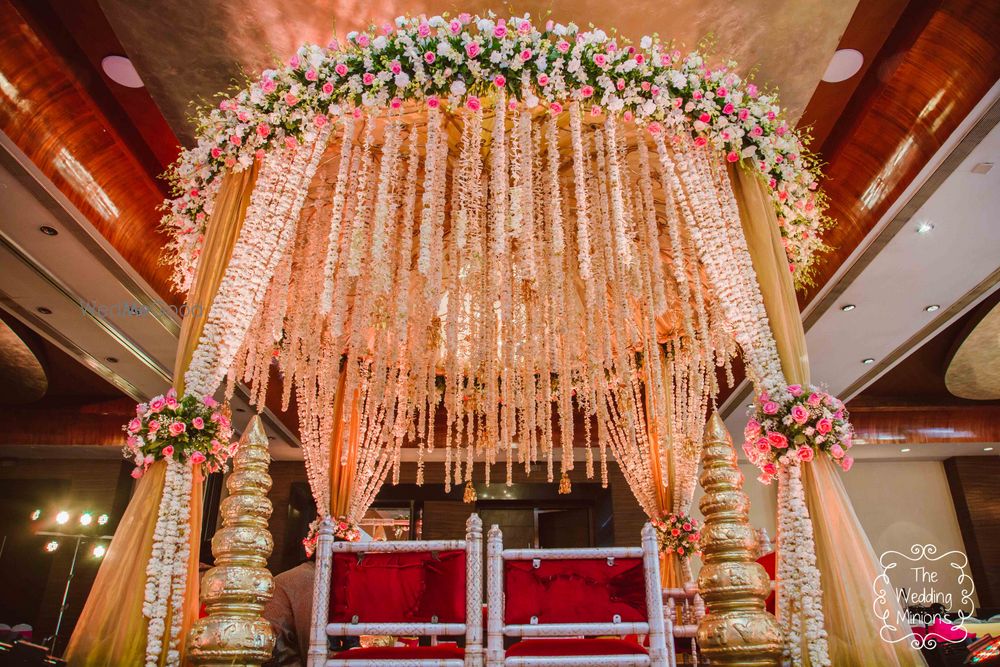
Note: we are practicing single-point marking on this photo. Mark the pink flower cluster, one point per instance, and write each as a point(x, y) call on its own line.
point(343, 531)
point(795, 428)
point(190, 430)
point(678, 534)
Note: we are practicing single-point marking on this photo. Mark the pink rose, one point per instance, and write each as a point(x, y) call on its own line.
point(499, 81)
point(587, 91)
point(320, 120)
point(209, 402)
point(728, 109)
point(216, 152)
point(686, 526)
point(500, 31)
point(770, 408)
point(395, 103)
point(327, 88)
point(732, 156)
point(837, 451)
point(176, 428)
point(340, 69)
point(814, 399)
point(473, 103)
point(368, 78)
point(680, 550)
point(433, 102)
point(134, 426)
point(800, 414)
point(675, 532)
point(600, 59)
point(777, 440)
point(395, 67)
point(525, 55)
point(198, 423)
point(430, 57)
point(472, 49)
point(157, 404)
point(763, 445)
point(704, 118)
point(424, 29)
point(154, 426)
point(455, 26)
point(824, 426)
point(362, 40)
point(804, 453)
point(795, 389)
point(543, 80)
point(197, 458)
point(137, 473)
point(171, 393)
point(847, 462)
point(562, 46)
point(168, 451)
point(263, 129)
point(291, 100)
point(770, 469)
point(555, 108)
point(311, 75)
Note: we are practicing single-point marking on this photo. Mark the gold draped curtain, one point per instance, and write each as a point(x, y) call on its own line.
point(343, 469)
point(847, 563)
point(111, 629)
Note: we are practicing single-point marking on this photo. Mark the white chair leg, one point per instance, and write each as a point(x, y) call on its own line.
point(318, 642)
point(474, 592)
point(494, 598)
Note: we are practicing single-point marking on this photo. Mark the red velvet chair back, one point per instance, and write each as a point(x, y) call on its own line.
point(574, 591)
point(416, 587)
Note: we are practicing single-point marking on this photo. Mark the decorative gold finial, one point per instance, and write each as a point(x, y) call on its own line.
point(737, 631)
point(565, 486)
point(470, 493)
point(235, 590)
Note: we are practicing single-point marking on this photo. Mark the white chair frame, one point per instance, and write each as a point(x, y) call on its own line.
point(692, 606)
point(497, 630)
point(320, 629)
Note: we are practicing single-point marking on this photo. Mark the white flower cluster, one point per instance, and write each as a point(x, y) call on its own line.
point(166, 571)
point(800, 594)
point(441, 61)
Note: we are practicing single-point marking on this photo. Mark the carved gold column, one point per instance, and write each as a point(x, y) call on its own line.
point(235, 590)
point(737, 630)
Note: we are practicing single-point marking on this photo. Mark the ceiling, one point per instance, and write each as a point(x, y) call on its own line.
point(880, 265)
point(213, 41)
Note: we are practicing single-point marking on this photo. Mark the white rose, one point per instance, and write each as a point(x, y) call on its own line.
point(458, 87)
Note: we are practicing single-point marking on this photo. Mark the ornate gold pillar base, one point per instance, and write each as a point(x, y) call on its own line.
point(235, 590)
point(737, 630)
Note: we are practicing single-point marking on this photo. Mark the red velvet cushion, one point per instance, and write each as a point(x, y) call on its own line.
point(398, 587)
point(446, 651)
point(556, 647)
point(770, 564)
point(574, 591)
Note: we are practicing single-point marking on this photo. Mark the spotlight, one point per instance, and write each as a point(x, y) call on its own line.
point(51, 546)
point(62, 517)
point(99, 551)
point(36, 515)
point(101, 520)
point(987, 449)
point(924, 227)
point(905, 449)
point(868, 361)
point(848, 307)
point(86, 518)
point(932, 308)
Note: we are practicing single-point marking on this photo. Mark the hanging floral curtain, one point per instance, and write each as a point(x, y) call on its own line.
point(113, 626)
point(846, 561)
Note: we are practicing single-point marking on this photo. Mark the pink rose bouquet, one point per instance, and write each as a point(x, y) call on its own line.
point(190, 430)
point(795, 428)
point(344, 530)
point(678, 534)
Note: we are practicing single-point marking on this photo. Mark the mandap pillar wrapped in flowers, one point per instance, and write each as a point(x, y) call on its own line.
point(485, 236)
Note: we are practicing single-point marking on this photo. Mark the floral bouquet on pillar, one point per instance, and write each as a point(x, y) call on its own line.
point(678, 534)
point(185, 433)
point(783, 433)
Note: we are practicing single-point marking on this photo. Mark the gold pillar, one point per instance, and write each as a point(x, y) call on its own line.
point(235, 590)
point(737, 630)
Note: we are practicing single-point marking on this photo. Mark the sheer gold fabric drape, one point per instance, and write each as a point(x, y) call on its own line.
point(111, 629)
point(343, 470)
point(847, 563)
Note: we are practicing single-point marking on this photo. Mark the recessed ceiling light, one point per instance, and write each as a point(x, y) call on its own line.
point(982, 168)
point(111, 360)
point(847, 307)
point(48, 231)
point(905, 449)
point(240, 410)
point(932, 308)
point(43, 310)
point(844, 64)
point(121, 70)
point(987, 449)
point(925, 227)
point(868, 361)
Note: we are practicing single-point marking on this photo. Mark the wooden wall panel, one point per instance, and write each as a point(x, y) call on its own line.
point(974, 482)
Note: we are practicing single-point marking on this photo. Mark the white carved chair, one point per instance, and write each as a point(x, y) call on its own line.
point(687, 604)
point(423, 583)
point(549, 598)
